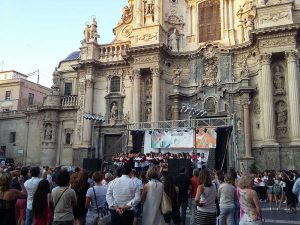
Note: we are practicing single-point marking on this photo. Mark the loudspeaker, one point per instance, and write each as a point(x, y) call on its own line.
point(175, 165)
point(92, 164)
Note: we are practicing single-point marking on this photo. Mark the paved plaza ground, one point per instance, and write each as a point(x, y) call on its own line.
point(274, 217)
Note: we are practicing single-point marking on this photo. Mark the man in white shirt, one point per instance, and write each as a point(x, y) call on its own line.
point(31, 186)
point(122, 196)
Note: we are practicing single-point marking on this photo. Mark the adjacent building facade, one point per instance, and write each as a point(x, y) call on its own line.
point(228, 57)
point(17, 97)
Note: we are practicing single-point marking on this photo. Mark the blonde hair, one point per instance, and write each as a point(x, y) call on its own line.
point(246, 182)
point(5, 180)
point(152, 173)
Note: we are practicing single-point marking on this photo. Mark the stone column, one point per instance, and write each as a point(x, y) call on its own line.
point(88, 108)
point(267, 100)
point(156, 12)
point(247, 125)
point(293, 93)
point(194, 23)
point(136, 96)
point(175, 108)
point(138, 13)
point(231, 22)
point(155, 95)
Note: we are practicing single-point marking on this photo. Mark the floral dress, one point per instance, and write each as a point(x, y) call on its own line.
point(248, 214)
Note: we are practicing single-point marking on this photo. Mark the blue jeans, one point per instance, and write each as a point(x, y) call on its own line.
point(227, 216)
point(183, 203)
point(29, 216)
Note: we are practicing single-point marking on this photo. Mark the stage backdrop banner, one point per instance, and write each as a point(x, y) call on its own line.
point(147, 143)
point(206, 137)
point(172, 138)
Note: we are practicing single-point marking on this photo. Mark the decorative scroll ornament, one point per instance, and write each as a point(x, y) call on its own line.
point(209, 78)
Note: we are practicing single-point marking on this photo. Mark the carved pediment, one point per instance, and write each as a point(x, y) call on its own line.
point(175, 20)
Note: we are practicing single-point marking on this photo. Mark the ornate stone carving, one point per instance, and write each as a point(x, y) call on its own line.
point(269, 43)
point(90, 32)
point(148, 112)
point(173, 41)
point(210, 105)
point(265, 58)
point(136, 73)
point(278, 80)
point(256, 106)
point(281, 118)
point(143, 60)
point(114, 111)
point(246, 15)
point(148, 88)
point(126, 31)
point(149, 7)
point(176, 76)
point(275, 17)
point(146, 37)
point(89, 83)
point(209, 78)
point(169, 112)
point(126, 15)
point(175, 20)
point(244, 68)
point(291, 56)
point(155, 72)
point(126, 118)
point(56, 79)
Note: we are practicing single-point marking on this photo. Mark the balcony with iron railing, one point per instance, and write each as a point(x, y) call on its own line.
point(69, 101)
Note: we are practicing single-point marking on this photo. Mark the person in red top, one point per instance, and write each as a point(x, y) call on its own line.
point(193, 207)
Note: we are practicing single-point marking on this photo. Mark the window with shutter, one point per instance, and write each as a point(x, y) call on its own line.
point(209, 21)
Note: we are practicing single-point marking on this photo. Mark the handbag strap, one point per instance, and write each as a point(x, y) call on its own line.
point(96, 202)
point(60, 197)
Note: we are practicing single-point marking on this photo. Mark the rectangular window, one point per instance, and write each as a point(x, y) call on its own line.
point(209, 21)
point(7, 95)
point(12, 137)
point(2, 151)
point(30, 98)
point(68, 139)
point(68, 88)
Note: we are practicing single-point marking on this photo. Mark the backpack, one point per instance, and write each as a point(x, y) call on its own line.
point(277, 189)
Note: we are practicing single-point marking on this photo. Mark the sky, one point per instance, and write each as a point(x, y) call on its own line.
point(37, 34)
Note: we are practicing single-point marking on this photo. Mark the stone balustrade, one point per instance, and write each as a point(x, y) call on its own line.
point(70, 100)
point(112, 52)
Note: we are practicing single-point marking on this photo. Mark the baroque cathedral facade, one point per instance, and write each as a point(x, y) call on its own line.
point(229, 57)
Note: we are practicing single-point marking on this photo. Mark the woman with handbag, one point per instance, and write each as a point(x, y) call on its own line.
point(42, 206)
point(206, 199)
point(64, 199)
point(172, 196)
point(96, 201)
point(151, 198)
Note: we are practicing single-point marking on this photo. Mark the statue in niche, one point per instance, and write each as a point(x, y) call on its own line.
point(148, 88)
point(48, 132)
point(281, 113)
point(173, 41)
point(114, 111)
point(278, 80)
point(149, 7)
point(148, 114)
point(126, 118)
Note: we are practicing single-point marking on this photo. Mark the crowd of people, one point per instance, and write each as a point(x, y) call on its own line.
point(43, 196)
point(143, 161)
